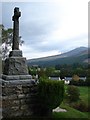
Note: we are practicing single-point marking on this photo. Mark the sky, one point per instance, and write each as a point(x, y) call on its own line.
point(49, 27)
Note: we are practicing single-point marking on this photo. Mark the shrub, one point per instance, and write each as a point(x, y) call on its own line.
point(50, 95)
point(80, 105)
point(73, 93)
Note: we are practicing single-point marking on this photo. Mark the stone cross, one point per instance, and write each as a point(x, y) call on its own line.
point(15, 18)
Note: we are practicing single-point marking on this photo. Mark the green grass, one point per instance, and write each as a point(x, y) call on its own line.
point(71, 113)
point(84, 94)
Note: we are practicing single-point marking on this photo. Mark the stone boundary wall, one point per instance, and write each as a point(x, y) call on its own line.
point(17, 98)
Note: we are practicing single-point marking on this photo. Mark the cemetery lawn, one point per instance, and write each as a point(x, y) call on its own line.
point(71, 113)
point(84, 94)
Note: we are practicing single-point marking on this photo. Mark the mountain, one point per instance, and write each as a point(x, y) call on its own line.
point(78, 55)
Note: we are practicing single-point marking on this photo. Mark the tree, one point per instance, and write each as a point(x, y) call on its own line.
point(7, 38)
point(41, 73)
point(49, 71)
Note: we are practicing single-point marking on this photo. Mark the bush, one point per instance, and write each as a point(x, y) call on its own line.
point(80, 105)
point(73, 93)
point(50, 95)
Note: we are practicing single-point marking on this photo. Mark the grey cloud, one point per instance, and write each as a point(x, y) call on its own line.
point(65, 45)
point(35, 32)
point(36, 20)
point(36, 23)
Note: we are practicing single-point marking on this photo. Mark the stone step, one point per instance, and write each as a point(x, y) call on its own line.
point(23, 82)
point(16, 77)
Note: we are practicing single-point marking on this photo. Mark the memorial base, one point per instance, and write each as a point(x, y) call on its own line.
point(16, 98)
point(17, 87)
point(15, 66)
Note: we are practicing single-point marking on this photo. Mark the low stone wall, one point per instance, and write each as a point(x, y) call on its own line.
point(17, 98)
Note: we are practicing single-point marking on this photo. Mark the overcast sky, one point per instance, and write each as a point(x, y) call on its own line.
point(49, 28)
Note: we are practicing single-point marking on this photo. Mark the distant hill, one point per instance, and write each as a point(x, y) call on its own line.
point(78, 55)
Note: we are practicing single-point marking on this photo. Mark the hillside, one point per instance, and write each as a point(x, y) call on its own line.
point(78, 55)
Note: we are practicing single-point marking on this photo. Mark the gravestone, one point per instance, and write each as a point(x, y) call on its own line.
point(17, 84)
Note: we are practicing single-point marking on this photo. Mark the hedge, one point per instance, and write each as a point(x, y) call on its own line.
point(50, 95)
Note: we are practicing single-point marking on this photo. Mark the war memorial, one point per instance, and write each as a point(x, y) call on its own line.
point(17, 84)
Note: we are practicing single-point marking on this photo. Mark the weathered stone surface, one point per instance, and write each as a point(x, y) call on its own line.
point(10, 77)
point(23, 102)
point(26, 90)
point(8, 113)
point(14, 83)
point(15, 53)
point(24, 107)
point(21, 96)
point(17, 84)
point(0, 113)
point(17, 98)
point(28, 113)
point(15, 66)
point(25, 77)
point(15, 18)
point(10, 97)
point(16, 77)
point(15, 108)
